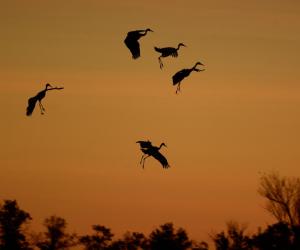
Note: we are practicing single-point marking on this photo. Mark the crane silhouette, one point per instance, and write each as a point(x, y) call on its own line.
point(132, 43)
point(38, 97)
point(180, 75)
point(149, 150)
point(167, 51)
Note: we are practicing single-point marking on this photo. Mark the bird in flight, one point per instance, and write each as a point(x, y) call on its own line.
point(180, 75)
point(38, 97)
point(149, 150)
point(167, 51)
point(132, 43)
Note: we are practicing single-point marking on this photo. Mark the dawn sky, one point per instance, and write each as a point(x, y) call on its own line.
point(235, 120)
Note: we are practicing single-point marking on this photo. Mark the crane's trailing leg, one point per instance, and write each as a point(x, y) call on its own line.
point(178, 88)
point(160, 63)
point(41, 107)
point(144, 161)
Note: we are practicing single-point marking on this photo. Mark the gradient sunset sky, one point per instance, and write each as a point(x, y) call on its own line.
point(230, 123)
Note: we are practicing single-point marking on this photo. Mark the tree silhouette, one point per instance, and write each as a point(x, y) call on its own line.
point(283, 197)
point(275, 237)
point(199, 246)
point(100, 240)
point(55, 238)
point(11, 220)
point(166, 237)
point(130, 241)
point(233, 239)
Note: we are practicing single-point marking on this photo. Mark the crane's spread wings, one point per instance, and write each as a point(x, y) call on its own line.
point(145, 144)
point(163, 161)
point(134, 47)
point(31, 105)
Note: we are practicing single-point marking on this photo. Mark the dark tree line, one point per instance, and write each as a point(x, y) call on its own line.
point(282, 196)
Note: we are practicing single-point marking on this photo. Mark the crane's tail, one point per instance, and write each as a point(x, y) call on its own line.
point(166, 165)
point(156, 49)
point(31, 105)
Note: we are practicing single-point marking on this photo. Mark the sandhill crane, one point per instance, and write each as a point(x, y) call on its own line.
point(149, 150)
point(38, 97)
point(180, 75)
point(132, 43)
point(167, 51)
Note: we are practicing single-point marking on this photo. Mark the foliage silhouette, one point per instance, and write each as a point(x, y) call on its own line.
point(166, 237)
point(283, 235)
point(233, 239)
point(200, 246)
point(101, 239)
point(275, 237)
point(130, 241)
point(55, 238)
point(12, 218)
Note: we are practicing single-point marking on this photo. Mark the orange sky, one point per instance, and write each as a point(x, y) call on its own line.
point(231, 122)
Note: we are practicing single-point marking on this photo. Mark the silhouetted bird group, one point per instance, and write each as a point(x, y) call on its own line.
point(133, 45)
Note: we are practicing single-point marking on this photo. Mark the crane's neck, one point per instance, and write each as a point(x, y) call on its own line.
point(179, 46)
point(46, 88)
point(194, 68)
point(145, 32)
point(160, 146)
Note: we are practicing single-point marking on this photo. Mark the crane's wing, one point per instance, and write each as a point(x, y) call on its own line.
point(145, 144)
point(174, 53)
point(163, 161)
point(180, 75)
point(171, 51)
point(134, 47)
point(31, 105)
point(167, 51)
